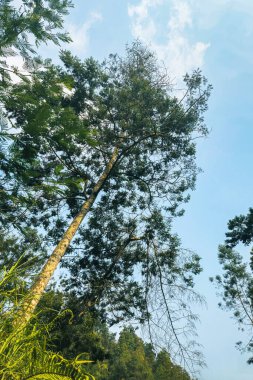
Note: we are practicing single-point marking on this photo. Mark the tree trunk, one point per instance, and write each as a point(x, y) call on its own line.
point(47, 271)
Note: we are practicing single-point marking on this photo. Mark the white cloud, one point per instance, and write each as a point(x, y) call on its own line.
point(143, 26)
point(177, 51)
point(80, 34)
point(181, 16)
point(141, 10)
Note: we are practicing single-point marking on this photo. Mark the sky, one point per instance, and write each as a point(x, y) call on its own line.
point(217, 37)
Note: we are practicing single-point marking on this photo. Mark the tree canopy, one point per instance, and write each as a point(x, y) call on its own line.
point(24, 27)
point(101, 159)
point(124, 357)
point(113, 144)
point(236, 281)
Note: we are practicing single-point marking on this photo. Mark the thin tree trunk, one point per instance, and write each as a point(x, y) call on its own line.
point(49, 268)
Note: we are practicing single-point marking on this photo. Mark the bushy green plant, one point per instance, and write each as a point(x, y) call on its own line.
point(23, 352)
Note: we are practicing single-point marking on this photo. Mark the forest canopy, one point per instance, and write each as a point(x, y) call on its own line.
point(96, 161)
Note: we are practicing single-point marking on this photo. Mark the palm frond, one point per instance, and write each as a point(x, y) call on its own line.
point(51, 366)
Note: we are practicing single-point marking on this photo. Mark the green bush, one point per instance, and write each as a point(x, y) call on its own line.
point(23, 352)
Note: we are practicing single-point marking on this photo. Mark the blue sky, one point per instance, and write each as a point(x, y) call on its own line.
point(217, 36)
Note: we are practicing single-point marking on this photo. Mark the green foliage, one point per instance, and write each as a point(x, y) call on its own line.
point(22, 28)
point(126, 248)
point(80, 333)
point(66, 122)
point(39, 19)
point(241, 231)
point(32, 23)
point(236, 281)
point(64, 140)
point(3, 130)
point(128, 357)
point(23, 351)
point(27, 248)
point(132, 359)
point(164, 368)
point(129, 361)
point(27, 353)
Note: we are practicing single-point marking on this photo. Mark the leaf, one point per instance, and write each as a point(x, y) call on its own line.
point(50, 366)
point(58, 169)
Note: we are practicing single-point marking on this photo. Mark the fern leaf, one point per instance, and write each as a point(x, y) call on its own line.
point(50, 366)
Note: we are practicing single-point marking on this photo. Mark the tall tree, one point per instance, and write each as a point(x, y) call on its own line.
point(164, 368)
point(129, 359)
point(110, 143)
point(236, 282)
